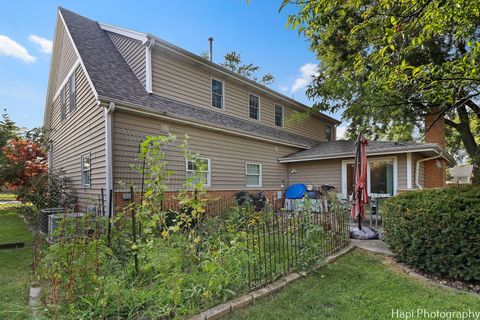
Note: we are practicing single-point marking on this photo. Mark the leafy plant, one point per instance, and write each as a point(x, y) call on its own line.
point(437, 231)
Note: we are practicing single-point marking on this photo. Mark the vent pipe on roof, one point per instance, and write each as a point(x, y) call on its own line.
point(210, 55)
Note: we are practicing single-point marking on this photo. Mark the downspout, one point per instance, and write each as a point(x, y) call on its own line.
point(108, 152)
point(148, 65)
point(417, 169)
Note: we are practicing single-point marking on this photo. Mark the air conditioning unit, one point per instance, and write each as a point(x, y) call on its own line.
point(64, 224)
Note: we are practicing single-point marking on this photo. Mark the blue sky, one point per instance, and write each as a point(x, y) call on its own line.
point(255, 29)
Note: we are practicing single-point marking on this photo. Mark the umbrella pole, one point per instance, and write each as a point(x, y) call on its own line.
point(358, 161)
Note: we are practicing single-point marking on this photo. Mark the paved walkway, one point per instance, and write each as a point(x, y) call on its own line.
point(377, 246)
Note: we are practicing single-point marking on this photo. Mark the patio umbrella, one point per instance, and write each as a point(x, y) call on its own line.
point(360, 194)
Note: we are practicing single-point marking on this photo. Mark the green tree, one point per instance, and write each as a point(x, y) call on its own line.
point(233, 61)
point(8, 129)
point(388, 63)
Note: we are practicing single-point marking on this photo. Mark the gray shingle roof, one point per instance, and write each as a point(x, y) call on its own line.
point(114, 80)
point(346, 148)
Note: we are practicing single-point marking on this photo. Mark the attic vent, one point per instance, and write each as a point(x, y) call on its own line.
point(164, 128)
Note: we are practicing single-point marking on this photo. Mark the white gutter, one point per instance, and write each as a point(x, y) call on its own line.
point(108, 152)
point(417, 168)
point(148, 65)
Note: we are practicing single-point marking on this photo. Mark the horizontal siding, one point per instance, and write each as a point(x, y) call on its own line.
point(316, 173)
point(67, 58)
point(83, 131)
point(133, 51)
point(191, 83)
point(227, 153)
point(329, 171)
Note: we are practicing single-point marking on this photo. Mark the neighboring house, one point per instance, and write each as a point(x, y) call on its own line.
point(461, 174)
point(110, 87)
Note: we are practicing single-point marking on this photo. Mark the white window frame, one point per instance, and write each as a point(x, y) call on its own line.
point(351, 161)
point(72, 96)
point(331, 132)
point(209, 170)
point(259, 108)
point(275, 115)
point(211, 93)
point(82, 170)
point(253, 174)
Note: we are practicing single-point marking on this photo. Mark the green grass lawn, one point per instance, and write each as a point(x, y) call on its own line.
point(357, 286)
point(14, 267)
point(13, 229)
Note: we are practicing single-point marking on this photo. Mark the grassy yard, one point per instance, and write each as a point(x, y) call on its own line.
point(14, 267)
point(357, 286)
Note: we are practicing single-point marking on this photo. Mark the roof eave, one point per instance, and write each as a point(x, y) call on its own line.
point(434, 148)
point(128, 106)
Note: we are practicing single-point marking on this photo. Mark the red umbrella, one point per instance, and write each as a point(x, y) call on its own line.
point(360, 195)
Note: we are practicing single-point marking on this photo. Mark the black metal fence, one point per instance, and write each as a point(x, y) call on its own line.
point(286, 242)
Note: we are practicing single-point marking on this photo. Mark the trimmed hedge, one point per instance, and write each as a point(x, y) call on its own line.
point(437, 231)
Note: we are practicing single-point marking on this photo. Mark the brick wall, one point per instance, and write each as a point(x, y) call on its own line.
point(435, 170)
point(218, 201)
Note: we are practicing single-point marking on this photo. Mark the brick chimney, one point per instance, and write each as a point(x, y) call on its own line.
point(435, 170)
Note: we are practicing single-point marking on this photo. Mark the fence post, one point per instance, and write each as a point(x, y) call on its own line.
point(134, 229)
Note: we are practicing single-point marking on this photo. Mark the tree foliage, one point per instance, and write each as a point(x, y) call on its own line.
point(24, 160)
point(233, 61)
point(388, 63)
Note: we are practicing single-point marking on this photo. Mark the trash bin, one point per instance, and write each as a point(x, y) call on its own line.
point(43, 218)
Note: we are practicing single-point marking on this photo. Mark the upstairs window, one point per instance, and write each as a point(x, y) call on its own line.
point(63, 104)
point(253, 174)
point(254, 106)
point(203, 169)
point(278, 115)
point(217, 94)
point(85, 167)
point(73, 93)
point(328, 132)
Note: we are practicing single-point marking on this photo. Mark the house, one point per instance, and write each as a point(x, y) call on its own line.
point(110, 87)
point(461, 174)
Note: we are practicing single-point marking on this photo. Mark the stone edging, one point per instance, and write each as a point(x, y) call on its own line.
point(224, 309)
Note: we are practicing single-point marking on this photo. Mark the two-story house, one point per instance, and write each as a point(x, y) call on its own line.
point(109, 87)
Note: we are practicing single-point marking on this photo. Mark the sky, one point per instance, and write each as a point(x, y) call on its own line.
point(254, 28)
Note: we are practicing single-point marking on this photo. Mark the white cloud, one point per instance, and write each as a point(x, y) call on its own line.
point(44, 45)
point(9, 47)
point(307, 71)
point(283, 87)
point(341, 132)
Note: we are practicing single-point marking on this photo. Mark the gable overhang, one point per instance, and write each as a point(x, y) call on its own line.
point(53, 63)
point(141, 110)
point(432, 151)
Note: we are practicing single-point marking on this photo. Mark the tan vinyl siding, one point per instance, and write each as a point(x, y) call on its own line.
point(183, 81)
point(227, 153)
point(421, 176)
point(133, 51)
point(402, 170)
point(67, 58)
point(317, 173)
point(82, 132)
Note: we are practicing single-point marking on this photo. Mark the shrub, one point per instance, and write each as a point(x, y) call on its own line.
point(437, 231)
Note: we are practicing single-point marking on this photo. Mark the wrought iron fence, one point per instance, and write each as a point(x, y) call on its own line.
point(285, 242)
